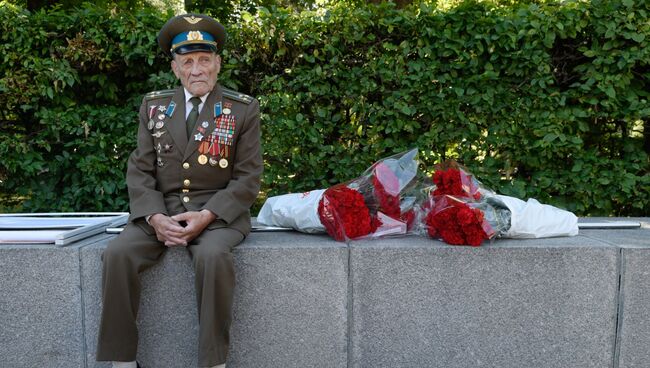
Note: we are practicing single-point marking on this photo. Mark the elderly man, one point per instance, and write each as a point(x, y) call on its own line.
point(192, 179)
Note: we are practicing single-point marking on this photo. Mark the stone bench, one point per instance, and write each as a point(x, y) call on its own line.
point(307, 301)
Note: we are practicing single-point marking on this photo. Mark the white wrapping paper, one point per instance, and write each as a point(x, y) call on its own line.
point(532, 219)
point(298, 211)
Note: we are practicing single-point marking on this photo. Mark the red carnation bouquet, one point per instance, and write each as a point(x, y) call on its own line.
point(374, 204)
point(390, 199)
point(460, 222)
point(459, 209)
point(344, 213)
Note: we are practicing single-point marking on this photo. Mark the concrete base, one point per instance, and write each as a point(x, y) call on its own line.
point(533, 303)
point(633, 320)
point(167, 319)
point(41, 320)
point(289, 309)
point(634, 323)
point(290, 303)
point(307, 301)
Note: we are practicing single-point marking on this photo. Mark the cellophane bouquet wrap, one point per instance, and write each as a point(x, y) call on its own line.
point(390, 198)
point(458, 209)
point(374, 204)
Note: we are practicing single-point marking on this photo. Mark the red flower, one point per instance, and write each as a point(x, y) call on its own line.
point(408, 218)
point(344, 213)
point(388, 204)
point(455, 182)
point(456, 222)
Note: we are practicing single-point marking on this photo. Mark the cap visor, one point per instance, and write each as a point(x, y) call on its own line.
point(186, 49)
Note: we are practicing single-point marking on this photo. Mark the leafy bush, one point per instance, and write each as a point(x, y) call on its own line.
point(544, 101)
point(539, 100)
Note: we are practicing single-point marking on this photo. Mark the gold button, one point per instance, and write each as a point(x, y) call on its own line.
point(186, 165)
point(186, 199)
point(186, 182)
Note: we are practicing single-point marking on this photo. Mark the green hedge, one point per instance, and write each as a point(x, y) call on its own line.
point(546, 101)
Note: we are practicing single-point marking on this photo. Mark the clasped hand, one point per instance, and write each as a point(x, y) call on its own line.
point(170, 231)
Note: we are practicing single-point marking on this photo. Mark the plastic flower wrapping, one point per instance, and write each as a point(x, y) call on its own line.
point(374, 204)
point(459, 210)
point(393, 198)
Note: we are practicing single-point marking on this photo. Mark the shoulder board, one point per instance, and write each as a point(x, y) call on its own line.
point(234, 95)
point(159, 94)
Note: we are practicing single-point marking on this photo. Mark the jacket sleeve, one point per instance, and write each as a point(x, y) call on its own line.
point(144, 197)
point(244, 186)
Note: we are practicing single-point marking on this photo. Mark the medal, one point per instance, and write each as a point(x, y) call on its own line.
point(168, 147)
point(150, 124)
point(160, 162)
point(214, 146)
point(203, 159)
point(204, 146)
point(160, 124)
point(161, 116)
point(225, 129)
point(198, 137)
point(217, 109)
point(158, 133)
point(226, 111)
point(162, 108)
point(170, 109)
point(223, 163)
point(205, 124)
point(213, 161)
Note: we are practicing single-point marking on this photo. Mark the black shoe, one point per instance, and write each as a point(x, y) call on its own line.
point(138, 364)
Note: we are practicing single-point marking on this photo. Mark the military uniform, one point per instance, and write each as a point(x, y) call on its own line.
point(218, 168)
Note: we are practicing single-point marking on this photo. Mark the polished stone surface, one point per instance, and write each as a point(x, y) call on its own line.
point(167, 320)
point(516, 303)
point(307, 301)
point(291, 302)
point(634, 321)
point(290, 307)
point(40, 307)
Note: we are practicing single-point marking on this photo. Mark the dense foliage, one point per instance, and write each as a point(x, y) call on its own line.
point(542, 100)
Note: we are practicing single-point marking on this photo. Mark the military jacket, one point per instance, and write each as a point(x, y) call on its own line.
point(217, 168)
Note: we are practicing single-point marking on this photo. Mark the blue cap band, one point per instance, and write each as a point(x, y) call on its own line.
point(192, 37)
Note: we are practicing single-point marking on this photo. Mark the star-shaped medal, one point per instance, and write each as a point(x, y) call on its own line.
point(198, 136)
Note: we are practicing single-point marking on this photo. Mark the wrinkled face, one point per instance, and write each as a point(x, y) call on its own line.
point(197, 71)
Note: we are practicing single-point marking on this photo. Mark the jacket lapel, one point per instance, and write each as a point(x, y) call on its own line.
point(206, 114)
point(176, 123)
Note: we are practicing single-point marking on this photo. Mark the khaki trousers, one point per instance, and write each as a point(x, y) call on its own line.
point(137, 249)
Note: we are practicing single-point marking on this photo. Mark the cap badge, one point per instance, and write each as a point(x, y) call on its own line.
point(194, 36)
point(193, 19)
